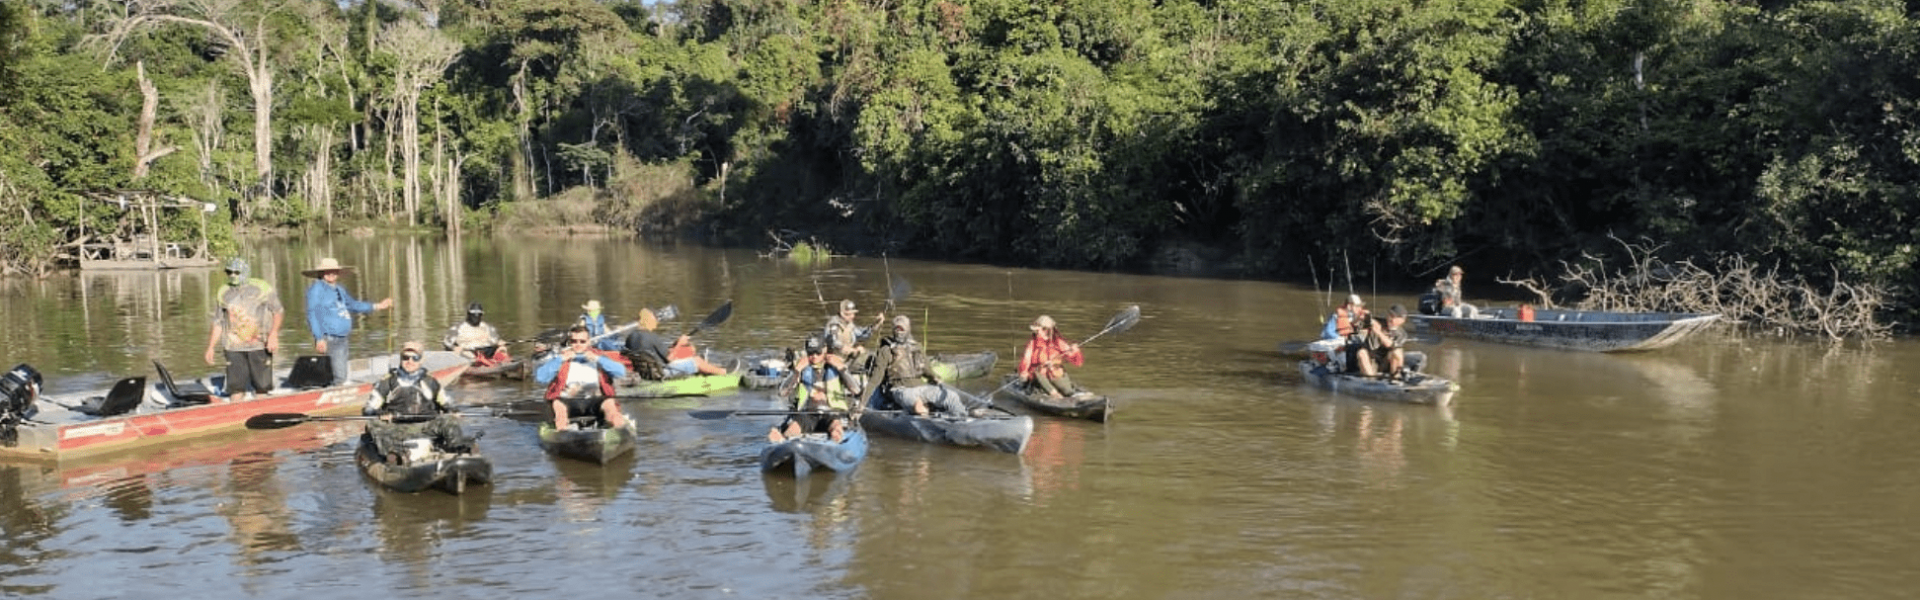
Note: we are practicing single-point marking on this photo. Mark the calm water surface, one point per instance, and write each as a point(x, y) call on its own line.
point(1724, 468)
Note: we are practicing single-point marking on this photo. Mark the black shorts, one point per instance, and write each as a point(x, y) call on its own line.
point(583, 407)
point(247, 370)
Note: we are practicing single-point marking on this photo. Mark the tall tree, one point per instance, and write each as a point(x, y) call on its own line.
point(421, 55)
point(242, 26)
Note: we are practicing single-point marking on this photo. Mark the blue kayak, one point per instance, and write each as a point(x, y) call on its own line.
point(815, 451)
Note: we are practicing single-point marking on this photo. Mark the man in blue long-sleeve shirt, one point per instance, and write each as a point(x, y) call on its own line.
point(330, 314)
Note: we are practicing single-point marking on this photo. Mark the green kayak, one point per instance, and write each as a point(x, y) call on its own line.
point(689, 385)
point(954, 367)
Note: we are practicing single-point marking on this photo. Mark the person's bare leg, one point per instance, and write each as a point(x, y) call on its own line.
point(560, 422)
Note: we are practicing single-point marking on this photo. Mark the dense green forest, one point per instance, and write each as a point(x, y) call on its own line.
point(1507, 135)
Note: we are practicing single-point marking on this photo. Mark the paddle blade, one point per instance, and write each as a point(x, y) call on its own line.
point(1125, 320)
point(667, 313)
point(897, 292)
point(1120, 322)
point(710, 415)
point(276, 420)
point(719, 316)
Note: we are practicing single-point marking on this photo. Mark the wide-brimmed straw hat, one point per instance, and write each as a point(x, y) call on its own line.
point(326, 264)
point(1043, 322)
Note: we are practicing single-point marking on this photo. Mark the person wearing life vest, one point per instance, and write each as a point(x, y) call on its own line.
point(580, 382)
point(843, 338)
point(1348, 322)
point(412, 405)
point(476, 339)
point(905, 378)
point(1042, 364)
point(822, 389)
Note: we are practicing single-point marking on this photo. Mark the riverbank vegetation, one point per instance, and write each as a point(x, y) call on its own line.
point(1511, 136)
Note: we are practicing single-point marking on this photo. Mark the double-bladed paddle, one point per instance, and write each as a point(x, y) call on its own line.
point(1120, 322)
point(664, 313)
point(285, 420)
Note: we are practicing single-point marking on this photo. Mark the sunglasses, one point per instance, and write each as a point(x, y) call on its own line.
point(578, 340)
point(410, 357)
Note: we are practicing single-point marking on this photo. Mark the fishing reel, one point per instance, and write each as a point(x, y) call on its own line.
point(19, 389)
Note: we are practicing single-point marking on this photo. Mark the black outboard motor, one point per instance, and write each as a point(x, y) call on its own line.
point(19, 388)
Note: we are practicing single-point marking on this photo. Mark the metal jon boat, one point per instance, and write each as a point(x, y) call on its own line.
point(70, 426)
point(1586, 330)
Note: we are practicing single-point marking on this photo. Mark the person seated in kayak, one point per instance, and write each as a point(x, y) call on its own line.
point(580, 382)
point(1348, 322)
point(843, 339)
point(411, 405)
point(477, 340)
point(1447, 291)
point(823, 389)
point(655, 358)
point(596, 325)
point(1042, 366)
point(1386, 338)
point(906, 377)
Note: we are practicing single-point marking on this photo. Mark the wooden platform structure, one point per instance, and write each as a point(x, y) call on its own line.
point(136, 244)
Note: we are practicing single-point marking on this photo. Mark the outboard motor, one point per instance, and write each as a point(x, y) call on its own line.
point(19, 389)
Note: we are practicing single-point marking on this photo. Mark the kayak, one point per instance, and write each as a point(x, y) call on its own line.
point(812, 451)
point(1083, 405)
point(1326, 369)
point(1003, 432)
point(422, 466)
point(593, 443)
point(512, 369)
point(686, 385)
point(955, 367)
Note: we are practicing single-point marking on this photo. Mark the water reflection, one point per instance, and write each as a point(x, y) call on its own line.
point(27, 523)
point(815, 492)
point(414, 528)
point(255, 507)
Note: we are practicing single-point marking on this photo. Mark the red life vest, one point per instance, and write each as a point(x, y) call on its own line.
point(560, 382)
point(1345, 322)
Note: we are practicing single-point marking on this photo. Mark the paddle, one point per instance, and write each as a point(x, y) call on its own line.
point(664, 313)
point(1120, 322)
point(285, 420)
point(710, 415)
point(714, 319)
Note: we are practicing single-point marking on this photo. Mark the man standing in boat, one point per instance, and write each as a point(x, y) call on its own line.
point(843, 339)
point(1386, 338)
point(580, 382)
point(330, 311)
point(817, 391)
point(247, 322)
point(906, 376)
point(410, 394)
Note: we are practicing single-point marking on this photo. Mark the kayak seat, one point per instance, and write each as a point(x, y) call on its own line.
point(309, 372)
point(124, 396)
point(191, 394)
